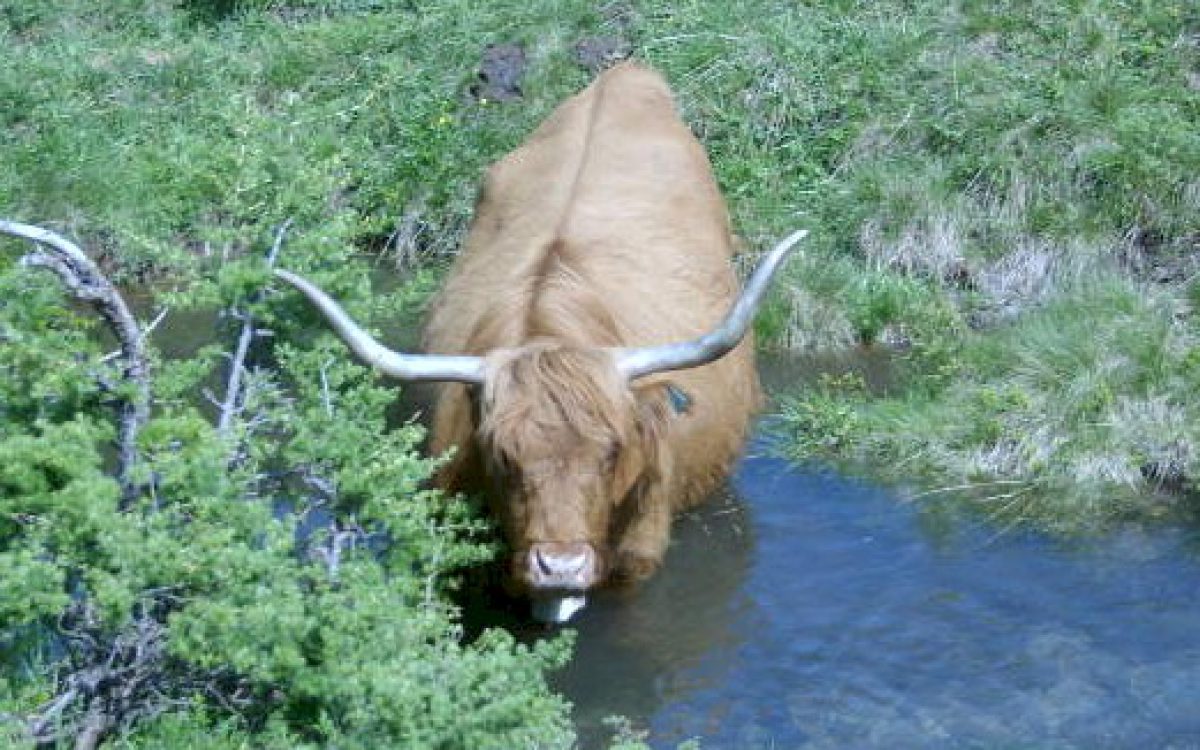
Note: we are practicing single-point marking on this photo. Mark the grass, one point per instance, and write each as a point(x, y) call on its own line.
point(1084, 406)
point(1034, 166)
point(1007, 193)
point(176, 142)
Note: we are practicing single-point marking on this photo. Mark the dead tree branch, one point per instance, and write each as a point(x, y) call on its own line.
point(107, 681)
point(233, 387)
point(84, 280)
point(112, 681)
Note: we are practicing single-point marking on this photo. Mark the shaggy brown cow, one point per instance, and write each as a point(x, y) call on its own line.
point(595, 245)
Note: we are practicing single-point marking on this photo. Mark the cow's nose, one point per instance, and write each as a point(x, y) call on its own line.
point(562, 565)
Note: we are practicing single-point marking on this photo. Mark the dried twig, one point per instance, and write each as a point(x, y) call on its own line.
point(149, 327)
point(113, 681)
point(95, 726)
point(233, 388)
point(85, 281)
point(340, 539)
point(325, 398)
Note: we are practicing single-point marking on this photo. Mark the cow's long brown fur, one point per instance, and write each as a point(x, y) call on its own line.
point(606, 228)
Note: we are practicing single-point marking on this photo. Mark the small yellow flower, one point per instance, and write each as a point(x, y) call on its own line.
point(443, 120)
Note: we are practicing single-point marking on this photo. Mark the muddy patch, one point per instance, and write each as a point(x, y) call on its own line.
point(610, 45)
point(1152, 256)
point(500, 73)
point(597, 53)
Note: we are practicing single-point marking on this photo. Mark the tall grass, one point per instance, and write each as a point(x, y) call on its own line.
point(1087, 406)
point(1034, 165)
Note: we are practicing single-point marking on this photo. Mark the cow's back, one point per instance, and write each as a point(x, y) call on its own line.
point(605, 228)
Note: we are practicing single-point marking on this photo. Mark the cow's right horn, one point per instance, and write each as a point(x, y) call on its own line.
point(642, 361)
point(434, 367)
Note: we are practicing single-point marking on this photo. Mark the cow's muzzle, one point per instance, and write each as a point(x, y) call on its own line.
point(561, 566)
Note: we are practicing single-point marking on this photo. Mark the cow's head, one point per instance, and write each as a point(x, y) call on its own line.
point(568, 439)
point(569, 434)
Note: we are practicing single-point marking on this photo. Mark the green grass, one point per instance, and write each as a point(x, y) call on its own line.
point(1035, 165)
point(972, 172)
point(176, 142)
point(1075, 415)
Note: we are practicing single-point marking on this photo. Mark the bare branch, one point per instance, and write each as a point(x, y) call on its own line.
point(149, 327)
point(339, 540)
point(278, 243)
point(85, 281)
point(95, 726)
point(233, 388)
point(47, 717)
point(325, 388)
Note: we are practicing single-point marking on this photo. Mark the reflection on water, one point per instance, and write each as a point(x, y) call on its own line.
point(675, 634)
point(818, 611)
point(802, 609)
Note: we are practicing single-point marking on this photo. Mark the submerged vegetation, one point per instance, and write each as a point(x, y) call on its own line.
point(1007, 195)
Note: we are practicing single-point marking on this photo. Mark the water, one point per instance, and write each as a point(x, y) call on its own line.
point(802, 609)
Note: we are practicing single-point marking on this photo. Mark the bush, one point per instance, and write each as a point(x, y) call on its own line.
point(284, 583)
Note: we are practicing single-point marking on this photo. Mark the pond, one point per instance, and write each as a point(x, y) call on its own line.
point(803, 609)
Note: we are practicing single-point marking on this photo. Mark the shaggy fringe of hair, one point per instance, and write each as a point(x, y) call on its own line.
point(533, 394)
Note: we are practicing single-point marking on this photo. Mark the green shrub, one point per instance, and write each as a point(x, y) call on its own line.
point(282, 585)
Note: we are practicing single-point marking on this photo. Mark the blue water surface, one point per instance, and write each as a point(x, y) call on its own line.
point(803, 609)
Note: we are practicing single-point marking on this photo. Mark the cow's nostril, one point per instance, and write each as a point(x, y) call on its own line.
point(543, 562)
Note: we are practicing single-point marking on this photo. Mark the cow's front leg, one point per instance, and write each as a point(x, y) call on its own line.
point(641, 549)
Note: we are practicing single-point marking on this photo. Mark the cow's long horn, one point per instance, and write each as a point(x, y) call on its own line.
point(437, 367)
point(647, 360)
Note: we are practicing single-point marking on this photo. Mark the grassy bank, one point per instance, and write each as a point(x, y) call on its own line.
point(1006, 193)
point(1023, 225)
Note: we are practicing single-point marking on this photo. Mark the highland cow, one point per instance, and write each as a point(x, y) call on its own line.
point(599, 376)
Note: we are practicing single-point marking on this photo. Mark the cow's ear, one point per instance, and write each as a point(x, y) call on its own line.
point(658, 405)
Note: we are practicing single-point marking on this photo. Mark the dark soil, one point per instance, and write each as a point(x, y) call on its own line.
point(500, 73)
point(597, 53)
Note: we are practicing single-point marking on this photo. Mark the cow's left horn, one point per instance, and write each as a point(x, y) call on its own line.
point(436, 367)
point(647, 360)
